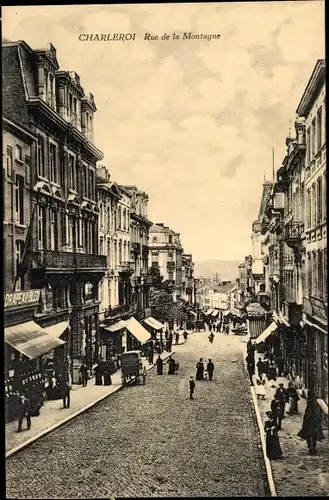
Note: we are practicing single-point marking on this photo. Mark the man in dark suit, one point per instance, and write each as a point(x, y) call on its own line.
point(210, 369)
point(281, 396)
point(192, 387)
point(24, 407)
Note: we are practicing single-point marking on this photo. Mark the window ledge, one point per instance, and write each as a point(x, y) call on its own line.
point(21, 226)
point(21, 162)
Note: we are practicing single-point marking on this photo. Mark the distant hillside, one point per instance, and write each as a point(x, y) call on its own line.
point(226, 269)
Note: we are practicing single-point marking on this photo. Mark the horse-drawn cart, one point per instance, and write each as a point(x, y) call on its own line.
point(132, 368)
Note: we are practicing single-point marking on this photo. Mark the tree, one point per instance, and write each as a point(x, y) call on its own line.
point(161, 300)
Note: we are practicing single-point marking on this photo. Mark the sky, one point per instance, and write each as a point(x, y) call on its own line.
point(190, 122)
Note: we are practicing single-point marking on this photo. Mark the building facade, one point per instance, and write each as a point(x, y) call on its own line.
point(139, 247)
point(166, 251)
point(188, 279)
point(65, 263)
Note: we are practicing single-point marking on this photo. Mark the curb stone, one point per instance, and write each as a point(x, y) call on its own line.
point(268, 467)
point(50, 429)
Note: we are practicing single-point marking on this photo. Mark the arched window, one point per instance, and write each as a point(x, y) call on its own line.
point(120, 251)
point(119, 218)
point(124, 220)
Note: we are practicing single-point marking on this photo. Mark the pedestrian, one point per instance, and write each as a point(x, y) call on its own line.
point(151, 356)
point(260, 389)
point(282, 397)
point(107, 374)
point(260, 369)
point(159, 363)
point(24, 408)
point(177, 337)
point(272, 374)
point(98, 375)
point(172, 364)
point(280, 365)
point(210, 369)
point(293, 399)
point(211, 337)
point(210, 327)
point(273, 448)
point(250, 367)
point(192, 387)
point(199, 370)
point(84, 374)
point(227, 329)
point(64, 388)
point(311, 429)
point(275, 410)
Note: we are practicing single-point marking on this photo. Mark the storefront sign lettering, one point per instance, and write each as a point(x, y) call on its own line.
point(20, 299)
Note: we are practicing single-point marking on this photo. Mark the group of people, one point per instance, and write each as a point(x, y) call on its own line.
point(203, 373)
point(270, 368)
point(173, 365)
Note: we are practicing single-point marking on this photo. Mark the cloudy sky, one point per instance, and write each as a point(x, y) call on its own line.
point(191, 122)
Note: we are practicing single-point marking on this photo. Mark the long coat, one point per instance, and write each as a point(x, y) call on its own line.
point(312, 426)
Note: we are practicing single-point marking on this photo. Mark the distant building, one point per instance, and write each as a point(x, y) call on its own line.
point(166, 251)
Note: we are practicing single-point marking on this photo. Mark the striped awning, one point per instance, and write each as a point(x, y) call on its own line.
point(154, 323)
point(31, 340)
point(256, 327)
point(266, 333)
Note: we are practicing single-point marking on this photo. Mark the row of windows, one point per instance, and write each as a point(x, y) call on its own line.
point(48, 165)
point(56, 230)
point(117, 219)
point(316, 201)
point(121, 250)
point(317, 274)
point(314, 139)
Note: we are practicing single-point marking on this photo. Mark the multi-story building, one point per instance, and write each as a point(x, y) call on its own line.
point(295, 245)
point(108, 198)
point(312, 108)
point(166, 251)
point(187, 278)
point(64, 226)
point(139, 245)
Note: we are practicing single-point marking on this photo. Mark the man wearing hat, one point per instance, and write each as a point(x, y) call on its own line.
point(281, 396)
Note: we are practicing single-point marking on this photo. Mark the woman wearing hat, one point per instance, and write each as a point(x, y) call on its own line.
point(273, 448)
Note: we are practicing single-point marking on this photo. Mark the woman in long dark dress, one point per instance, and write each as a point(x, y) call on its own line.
point(199, 370)
point(159, 363)
point(273, 448)
point(311, 429)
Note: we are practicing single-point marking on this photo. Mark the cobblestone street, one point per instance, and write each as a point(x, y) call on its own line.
point(152, 440)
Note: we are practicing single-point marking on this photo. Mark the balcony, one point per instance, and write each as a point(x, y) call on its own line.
point(135, 248)
point(120, 311)
point(293, 234)
point(126, 268)
point(53, 261)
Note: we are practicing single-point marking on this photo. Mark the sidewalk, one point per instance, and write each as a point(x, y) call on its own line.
point(52, 414)
point(298, 474)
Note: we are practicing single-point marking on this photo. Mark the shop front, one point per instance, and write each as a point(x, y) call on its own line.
point(111, 338)
point(316, 327)
point(155, 328)
point(136, 335)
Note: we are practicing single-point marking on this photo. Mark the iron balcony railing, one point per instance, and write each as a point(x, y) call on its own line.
point(53, 259)
point(293, 231)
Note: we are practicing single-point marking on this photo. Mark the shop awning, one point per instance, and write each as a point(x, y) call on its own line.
point(266, 333)
point(193, 314)
point(119, 325)
point(209, 311)
point(30, 339)
point(283, 319)
point(154, 323)
point(57, 330)
point(226, 313)
point(137, 330)
point(215, 313)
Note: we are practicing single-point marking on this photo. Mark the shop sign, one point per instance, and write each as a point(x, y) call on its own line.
point(319, 308)
point(21, 299)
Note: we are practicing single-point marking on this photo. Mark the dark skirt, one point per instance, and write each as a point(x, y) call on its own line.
point(160, 370)
point(199, 375)
point(107, 379)
point(273, 448)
